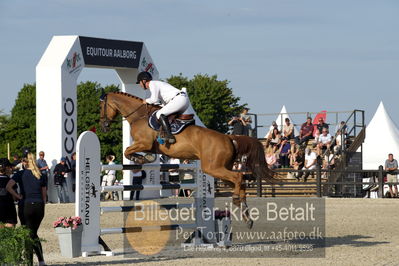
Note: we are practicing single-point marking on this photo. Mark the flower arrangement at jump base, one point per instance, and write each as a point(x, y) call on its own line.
point(69, 231)
point(68, 222)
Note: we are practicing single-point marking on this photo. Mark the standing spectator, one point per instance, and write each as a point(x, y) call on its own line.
point(342, 127)
point(59, 180)
point(17, 163)
point(188, 178)
point(284, 151)
point(109, 177)
point(33, 194)
point(73, 169)
point(306, 132)
point(238, 125)
point(8, 215)
point(288, 129)
point(138, 176)
point(391, 165)
point(247, 119)
point(174, 175)
point(310, 162)
point(43, 167)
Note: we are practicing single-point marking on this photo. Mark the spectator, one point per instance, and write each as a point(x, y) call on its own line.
point(138, 176)
point(109, 177)
point(306, 132)
point(339, 138)
point(288, 129)
point(271, 158)
point(275, 139)
point(310, 162)
point(247, 120)
point(33, 195)
point(17, 163)
point(8, 214)
point(60, 182)
point(72, 167)
point(298, 163)
point(391, 165)
point(238, 125)
point(187, 178)
point(321, 125)
point(325, 140)
point(284, 151)
point(293, 152)
point(342, 127)
point(43, 167)
point(174, 175)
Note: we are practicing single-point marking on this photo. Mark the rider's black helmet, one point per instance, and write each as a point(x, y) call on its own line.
point(143, 76)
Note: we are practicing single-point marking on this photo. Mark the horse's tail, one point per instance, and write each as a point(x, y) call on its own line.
point(256, 161)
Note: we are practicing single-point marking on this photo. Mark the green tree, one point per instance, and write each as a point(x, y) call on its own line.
point(21, 128)
point(89, 117)
point(212, 99)
point(4, 118)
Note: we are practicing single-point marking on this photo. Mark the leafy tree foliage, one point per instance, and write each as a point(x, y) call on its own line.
point(21, 128)
point(89, 118)
point(211, 98)
point(4, 118)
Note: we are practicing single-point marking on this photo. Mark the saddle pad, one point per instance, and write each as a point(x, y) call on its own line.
point(176, 125)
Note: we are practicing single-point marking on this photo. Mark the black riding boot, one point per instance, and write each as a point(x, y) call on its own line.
point(166, 126)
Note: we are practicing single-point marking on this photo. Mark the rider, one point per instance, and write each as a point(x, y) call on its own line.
point(172, 99)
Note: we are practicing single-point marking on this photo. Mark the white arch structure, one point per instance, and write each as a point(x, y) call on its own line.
point(56, 102)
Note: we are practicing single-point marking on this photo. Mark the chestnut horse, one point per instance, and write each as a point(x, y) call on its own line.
point(216, 151)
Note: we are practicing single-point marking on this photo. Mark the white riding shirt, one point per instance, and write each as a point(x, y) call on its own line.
point(161, 92)
point(173, 100)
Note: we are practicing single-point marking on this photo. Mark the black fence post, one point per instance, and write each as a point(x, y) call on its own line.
point(318, 180)
point(259, 186)
point(381, 181)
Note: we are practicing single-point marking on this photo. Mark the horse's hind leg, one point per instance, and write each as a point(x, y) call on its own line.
point(239, 197)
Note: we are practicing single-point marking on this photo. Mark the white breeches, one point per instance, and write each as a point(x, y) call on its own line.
point(179, 104)
point(108, 180)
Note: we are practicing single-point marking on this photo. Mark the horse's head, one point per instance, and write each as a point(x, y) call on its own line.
point(107, 112)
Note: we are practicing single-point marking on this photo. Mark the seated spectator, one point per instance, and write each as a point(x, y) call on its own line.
point(306, 132)
point(271, 158)
point(325, 140)
point(238, 125)
point(321, 125)
point(284, 151)
point(274, 126)
point(247, 119)
point(275, 139)
point(288, 129)
point(310, 162)
point(299, 162)
point(339, 139)
point(294, 149)
point(342, 127)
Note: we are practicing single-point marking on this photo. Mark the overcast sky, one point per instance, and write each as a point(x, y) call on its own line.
point(308, 55)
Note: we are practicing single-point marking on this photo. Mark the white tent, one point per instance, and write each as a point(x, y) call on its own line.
point(382, 138)
point(280, 121)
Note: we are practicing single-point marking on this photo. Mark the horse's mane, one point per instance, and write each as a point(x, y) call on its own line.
point(131, 96)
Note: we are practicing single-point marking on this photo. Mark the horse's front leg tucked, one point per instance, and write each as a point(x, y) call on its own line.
point(131, 153)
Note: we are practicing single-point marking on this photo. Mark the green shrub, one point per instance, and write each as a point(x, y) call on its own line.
point(15, 244)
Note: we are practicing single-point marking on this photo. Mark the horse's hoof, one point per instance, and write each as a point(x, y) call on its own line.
point(250, 224)
point(150, 158)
